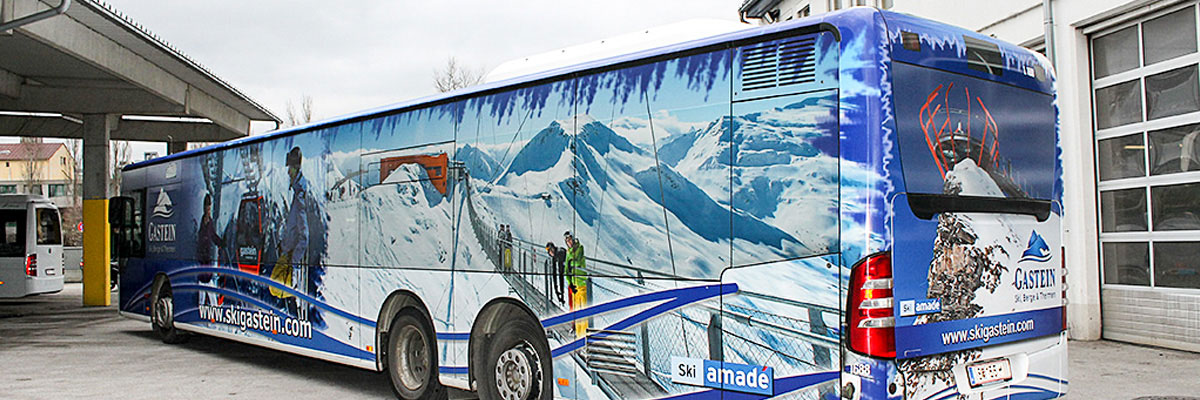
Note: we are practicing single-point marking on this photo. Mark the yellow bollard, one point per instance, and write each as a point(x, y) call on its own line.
point(96, 253)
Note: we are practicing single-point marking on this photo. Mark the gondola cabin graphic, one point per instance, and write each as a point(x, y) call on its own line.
point(250, 234)
point(435, 167)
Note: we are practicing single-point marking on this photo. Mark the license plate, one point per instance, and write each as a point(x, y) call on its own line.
point(989, 372)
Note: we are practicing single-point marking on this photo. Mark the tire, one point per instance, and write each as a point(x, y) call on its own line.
point(412, 358)
point(162, 317)
point(517, 366)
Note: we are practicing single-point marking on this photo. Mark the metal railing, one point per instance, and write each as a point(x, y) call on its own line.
point(625, 363)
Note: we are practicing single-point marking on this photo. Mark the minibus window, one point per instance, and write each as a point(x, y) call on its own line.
point(48, 231)
point(13, 222)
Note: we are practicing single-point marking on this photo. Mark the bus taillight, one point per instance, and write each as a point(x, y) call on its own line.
point(31, 265)
point(872, 321)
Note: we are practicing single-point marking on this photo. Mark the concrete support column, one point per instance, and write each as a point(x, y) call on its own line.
point(176, 147)
point(96, 129)
point(1080, 234)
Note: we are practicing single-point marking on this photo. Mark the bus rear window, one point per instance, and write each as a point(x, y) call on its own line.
point(961, 135)
point(13, 223)
point(48, 230)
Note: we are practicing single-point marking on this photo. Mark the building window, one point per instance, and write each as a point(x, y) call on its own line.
point(1146, 93)
point(8, 189)
point(35, 189)
point(58, 190)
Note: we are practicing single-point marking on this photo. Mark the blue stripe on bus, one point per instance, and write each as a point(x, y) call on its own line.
point(692, 294)
point(1034, 393)
point(228, 293)
point(782, 386)
point(453, 336)
point(679, 298)
point(454, 370)
point(271, 283)
point(1049, 378)
point(674, 299)
point(330, 344)
point(941, 391)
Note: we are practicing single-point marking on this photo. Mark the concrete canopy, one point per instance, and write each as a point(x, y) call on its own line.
point(94, 60)
point(80, 69)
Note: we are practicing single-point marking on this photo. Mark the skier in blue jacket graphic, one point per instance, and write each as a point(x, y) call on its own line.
point(292, 267)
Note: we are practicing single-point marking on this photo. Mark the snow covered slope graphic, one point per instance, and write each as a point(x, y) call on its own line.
point(784, 193)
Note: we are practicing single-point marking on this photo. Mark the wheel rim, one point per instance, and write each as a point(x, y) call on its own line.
point(412, 358)
point(517, 371)
point(163, 312)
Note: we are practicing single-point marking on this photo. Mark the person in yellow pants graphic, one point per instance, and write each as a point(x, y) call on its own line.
point(506, 246)
point(577, 280)
point(291, 268)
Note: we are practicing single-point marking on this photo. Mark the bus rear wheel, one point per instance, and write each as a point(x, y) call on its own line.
point(162, 314)
point(412, 360)
point(518, 364)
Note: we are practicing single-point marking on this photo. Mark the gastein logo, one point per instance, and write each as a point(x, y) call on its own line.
point(1037, 250)
point(163, 208)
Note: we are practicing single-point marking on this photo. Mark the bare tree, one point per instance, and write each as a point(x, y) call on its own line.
point(31, 175)
point(121, 155)
point(75, 175)
point(72, 213)
point(300, 116)
point(455, 76)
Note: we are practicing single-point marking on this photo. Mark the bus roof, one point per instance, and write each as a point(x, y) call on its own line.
point(748, 33)
point(832, 21)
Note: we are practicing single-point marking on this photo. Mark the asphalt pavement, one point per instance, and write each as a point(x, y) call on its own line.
point(51, 347)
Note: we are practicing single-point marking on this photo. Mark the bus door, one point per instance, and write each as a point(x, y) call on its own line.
point(45, 251)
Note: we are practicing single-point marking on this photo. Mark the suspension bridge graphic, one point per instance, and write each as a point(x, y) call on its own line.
point(634, 362)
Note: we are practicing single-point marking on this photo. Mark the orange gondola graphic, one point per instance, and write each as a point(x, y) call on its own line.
point(435, 167)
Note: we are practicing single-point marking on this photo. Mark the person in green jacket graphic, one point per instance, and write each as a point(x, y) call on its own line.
point(577, 279)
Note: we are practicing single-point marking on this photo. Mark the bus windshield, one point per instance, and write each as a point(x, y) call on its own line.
point(961, 135)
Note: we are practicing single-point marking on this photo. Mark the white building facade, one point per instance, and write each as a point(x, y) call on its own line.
point(1129, 97)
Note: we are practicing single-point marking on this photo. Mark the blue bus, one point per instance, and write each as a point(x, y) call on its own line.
point(857, 205)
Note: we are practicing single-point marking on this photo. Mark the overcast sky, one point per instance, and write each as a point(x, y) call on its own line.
point(354, 55)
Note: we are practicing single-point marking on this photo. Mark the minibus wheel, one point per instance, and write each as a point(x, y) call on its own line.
point(518, 364)
point(162, 314)
point(412, 358)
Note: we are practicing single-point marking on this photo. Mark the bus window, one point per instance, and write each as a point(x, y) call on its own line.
point(13, 222)
point(48, 230)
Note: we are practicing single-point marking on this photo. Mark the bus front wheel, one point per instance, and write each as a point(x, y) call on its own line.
point(412, 360)
point(518, 364)
point(162, 314)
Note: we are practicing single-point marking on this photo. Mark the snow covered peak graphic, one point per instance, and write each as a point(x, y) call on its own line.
point(967, 178)
point(1036, 250)
point(782, 195)
point(163, 207)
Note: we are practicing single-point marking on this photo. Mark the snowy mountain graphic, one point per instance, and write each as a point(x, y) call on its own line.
point(1036, 250)
point(163, 207)
point(773, 171)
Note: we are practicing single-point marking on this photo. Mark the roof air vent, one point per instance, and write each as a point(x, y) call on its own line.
point(780, 63)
